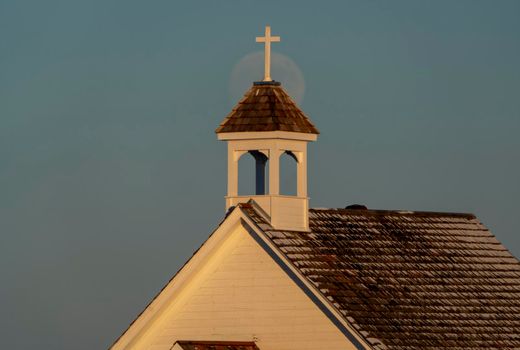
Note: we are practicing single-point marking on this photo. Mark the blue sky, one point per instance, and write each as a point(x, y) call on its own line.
point(111, 175)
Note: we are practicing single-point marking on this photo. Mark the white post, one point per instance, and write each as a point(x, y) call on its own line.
point(232, 172)
point(274, 170)
point(302, 174)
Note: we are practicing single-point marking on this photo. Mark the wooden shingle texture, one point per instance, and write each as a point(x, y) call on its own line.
point(266, 107)
point(409, 280)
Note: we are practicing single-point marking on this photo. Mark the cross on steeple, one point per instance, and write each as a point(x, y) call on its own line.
point(267, 39)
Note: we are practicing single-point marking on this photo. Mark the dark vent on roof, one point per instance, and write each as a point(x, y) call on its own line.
point(357, 207)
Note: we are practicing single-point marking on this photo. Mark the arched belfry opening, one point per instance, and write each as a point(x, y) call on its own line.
point(288, 174)
point(260, 166)
point(267, 125)
point(252, 168)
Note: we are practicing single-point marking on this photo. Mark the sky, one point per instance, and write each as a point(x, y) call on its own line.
point(111, 175)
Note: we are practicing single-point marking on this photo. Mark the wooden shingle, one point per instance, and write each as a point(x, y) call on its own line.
point(266, 107)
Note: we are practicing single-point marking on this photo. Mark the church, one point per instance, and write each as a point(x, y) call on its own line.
point(276, 274)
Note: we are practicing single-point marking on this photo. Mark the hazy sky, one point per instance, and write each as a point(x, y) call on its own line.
point(111, 174)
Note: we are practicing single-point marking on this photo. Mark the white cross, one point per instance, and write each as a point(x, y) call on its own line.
point(267, 39)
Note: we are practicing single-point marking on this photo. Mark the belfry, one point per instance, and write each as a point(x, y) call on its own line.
point(267, 123)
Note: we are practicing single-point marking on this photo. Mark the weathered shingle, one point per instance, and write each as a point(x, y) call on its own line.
point(410, 279)
point(266, 107)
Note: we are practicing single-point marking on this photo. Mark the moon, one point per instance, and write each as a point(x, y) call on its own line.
point(250, 68)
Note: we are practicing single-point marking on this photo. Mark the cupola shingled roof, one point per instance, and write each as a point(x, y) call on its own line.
point(266, 106)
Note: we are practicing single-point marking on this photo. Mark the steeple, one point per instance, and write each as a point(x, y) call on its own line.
point(267, 123)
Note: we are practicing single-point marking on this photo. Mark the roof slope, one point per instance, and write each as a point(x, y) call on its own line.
point(266, 107)
point(409, 279)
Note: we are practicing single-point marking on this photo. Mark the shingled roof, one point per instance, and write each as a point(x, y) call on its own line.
point(266, 107)
point(408, 280)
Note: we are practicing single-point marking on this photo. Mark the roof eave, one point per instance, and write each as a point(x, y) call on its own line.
point(158, 303)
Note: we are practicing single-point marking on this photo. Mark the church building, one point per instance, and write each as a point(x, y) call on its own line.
point(276, 274)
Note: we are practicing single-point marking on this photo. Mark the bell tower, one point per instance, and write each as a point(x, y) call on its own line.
point(266, 123)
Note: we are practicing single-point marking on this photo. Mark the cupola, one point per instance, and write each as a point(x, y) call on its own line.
point(267, 123)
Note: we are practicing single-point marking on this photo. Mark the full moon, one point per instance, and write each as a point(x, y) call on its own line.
point(251, 68)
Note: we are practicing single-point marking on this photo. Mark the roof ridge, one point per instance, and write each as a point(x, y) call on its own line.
point(395, 212)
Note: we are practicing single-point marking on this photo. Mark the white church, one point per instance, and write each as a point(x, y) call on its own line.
point(276, 274)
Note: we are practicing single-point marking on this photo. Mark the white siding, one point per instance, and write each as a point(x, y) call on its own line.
point(240, 295)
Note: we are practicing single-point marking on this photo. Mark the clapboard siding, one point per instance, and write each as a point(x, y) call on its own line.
point(246, 296)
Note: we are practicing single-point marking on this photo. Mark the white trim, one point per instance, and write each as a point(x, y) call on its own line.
point(160, 303)
point(248, 135)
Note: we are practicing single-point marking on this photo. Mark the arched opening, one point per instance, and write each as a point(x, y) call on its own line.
point(288, 174)
point(252, 169)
